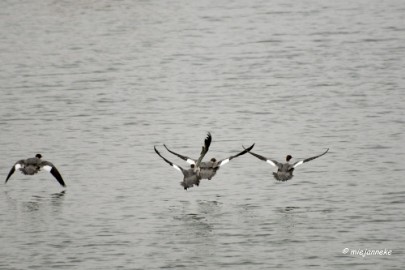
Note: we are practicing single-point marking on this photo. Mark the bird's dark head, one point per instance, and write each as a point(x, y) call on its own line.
point(38, 156)
point(192, 166)
point(288, 158)
point(213, 160)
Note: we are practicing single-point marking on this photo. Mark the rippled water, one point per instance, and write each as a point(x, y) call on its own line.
point(93, 85)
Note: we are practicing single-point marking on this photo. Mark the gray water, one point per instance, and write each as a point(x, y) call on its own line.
point(94, 85)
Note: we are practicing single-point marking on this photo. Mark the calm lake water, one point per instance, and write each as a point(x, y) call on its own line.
point(94, 85)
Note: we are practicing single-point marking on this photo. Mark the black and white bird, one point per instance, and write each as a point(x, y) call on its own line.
point(209, 169)
point(31, 166)
point(285, 170)
point(191, 176)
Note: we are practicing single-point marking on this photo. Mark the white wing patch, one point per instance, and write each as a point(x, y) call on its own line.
point(223, 162)
point(270, 162)
point(47, 168)
point(176, 167)
point(17, 166)
point(190, 161)
point(298, 163)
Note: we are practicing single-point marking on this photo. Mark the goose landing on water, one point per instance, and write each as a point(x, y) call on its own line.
point(191, 177)
point(31, 166)
point(210, 168)
point(285, 170)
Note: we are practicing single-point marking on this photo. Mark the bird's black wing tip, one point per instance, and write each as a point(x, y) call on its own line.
point(9, 174)
point(209, 137)
point(57, 176)
point(250, 147)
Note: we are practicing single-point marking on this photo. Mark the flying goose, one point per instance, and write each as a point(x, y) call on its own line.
point(31, 166)
point(210, 168)
point(285, 170)
point(191, 176)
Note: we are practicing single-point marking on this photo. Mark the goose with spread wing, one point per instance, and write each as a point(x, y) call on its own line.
point(285, 170)
point(31, 166)
point(209, 169)
point(191, 176)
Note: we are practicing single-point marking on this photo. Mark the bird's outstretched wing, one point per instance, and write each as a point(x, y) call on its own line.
point(225, 161)
point(270, 161)
point(204, 150)
point(185, 158)
point(16, 166)
point(49, 167)
point(169, 162)
point(309, 159)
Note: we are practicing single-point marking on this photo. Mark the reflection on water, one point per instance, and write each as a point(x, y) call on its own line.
point(30, 206)
point(290, 208)
point(58, 195)
point(194, 225)
point(32, 203)
point(196, 219)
